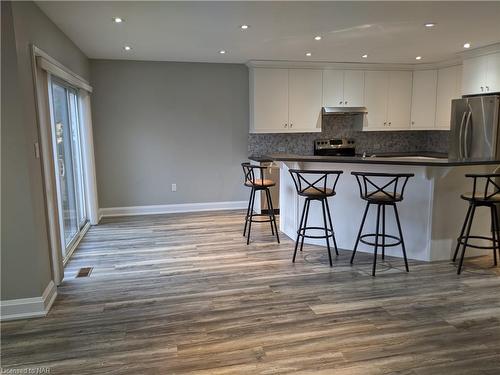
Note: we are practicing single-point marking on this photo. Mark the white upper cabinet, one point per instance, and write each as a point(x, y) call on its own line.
point(333, 88)
point(285, 100)
point(343, 88)
point(481, 75)
point(423, 102)
point(399, 100)
point(304, 100)
point(354, 87)
point(268, 100)
point(493, 73)
point(448, 88)
point(376, 90)
point(388, 100)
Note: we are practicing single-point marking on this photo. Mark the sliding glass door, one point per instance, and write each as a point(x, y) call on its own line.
point(68, 159)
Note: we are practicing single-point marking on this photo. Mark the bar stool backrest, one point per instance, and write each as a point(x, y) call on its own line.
point(322, 181)
point(254, 174)
point(387, 186)
point(485, 186)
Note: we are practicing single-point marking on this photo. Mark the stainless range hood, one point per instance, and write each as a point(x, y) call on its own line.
point(344, 110)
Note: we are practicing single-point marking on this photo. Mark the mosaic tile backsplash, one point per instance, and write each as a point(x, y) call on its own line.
point(349, 127)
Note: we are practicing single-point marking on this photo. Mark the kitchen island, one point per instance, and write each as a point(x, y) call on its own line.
point(431, 213)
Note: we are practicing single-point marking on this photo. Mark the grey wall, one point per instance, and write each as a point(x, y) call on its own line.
point(159, 123)
point(25, 268)
point(349, 127)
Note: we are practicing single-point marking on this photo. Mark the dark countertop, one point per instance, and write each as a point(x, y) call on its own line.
point(417, 159)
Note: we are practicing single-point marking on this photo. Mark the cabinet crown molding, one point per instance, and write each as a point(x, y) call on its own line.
point(350, 66)
point(481, 51)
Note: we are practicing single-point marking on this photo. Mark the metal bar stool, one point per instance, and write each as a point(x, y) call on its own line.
point(320, 189)
point(258, 182)
point(485, 193)
point(381, 189)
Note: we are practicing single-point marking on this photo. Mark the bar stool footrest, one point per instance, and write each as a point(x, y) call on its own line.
point(303, 230)
point(268, 220)
point(381, 236)
point(465, 240)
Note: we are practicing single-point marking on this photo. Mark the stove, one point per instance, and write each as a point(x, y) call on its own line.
point(335, 147)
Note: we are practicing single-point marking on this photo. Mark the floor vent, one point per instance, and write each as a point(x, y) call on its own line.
point(84, 272)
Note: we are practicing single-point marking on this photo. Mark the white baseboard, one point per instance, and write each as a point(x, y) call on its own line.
point(24, 308)
point(171, 208)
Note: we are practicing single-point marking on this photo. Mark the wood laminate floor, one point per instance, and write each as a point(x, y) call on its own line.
point(176, 294)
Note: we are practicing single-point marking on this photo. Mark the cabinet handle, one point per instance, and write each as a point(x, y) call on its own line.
point(487, 88)
point(340, 102)
point(390, 123)
point(291, 124)
point(385, 123)
point(482, 88)
point(413, 122)
point(286, 125)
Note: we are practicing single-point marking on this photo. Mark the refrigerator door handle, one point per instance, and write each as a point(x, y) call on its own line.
point(460, 132)
point(466, 140)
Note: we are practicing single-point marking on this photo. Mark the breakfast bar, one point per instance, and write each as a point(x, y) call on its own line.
point(431, 214)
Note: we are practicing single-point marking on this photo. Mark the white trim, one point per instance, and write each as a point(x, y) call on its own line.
point(51, 65)
point(171, 208)
point(350, 66)
point(24, 308)
point(75, 244)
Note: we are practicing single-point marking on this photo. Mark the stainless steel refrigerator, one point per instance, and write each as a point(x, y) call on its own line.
point(475, 128)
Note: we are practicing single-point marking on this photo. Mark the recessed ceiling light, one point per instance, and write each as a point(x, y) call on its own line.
point(418, 58)
point(244, 27)
point(365, 56)
point(467, 45)
point(222, 51)
point(308, 54)
point(317, 37)
point(127, 48)
point(117, 20)
point(429, 24)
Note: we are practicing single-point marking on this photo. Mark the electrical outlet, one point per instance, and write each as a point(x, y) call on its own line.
point(174, 187)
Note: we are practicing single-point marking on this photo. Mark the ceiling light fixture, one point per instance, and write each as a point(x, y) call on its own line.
point(318, 37)
point(127, 48)
point(418, 58)
point(365, 56)
point(117, 20)
point(429, 24)
point(308, 54)
point(467, 45)
point(244, 27)
point(222, 52)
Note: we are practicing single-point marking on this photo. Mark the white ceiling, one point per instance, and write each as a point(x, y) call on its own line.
point(389, 32)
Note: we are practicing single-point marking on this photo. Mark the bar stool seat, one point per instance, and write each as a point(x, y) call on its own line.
point(316, 190)
point(485, 193)
point(254, 177)
point(382, 197)
point(472, 196)
point(260, 182)
point(386, 189)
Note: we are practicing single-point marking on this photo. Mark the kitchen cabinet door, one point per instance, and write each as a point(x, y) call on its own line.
point(474, 75)
point(448, 88)
point(305, 99)
point(493, 73)
point(376, 90)
point(333, 88)
point(268, 100)
point(354, 86)
point(399, 100)
point(423, 100)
